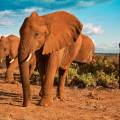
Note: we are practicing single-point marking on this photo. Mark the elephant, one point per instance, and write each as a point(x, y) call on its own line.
point(9, 48)
point(86, 52)
point(54, 40)
point(9, 52)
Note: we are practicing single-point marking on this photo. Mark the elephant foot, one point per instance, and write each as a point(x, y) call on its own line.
point(61, 98)
point(11, 81)
point(27, 101)
point(46, 102)
point(57, 98)
point(40, 93)
point(60, 95)
point(25, 104)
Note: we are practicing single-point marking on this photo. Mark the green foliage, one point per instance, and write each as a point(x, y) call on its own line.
point(105, 72)
point(88, 79)
point(72, 72)
point(105, 80)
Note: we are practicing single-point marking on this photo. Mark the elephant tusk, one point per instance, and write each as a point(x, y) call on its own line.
point(12, 61)
point(1, 60)
point(29, 57)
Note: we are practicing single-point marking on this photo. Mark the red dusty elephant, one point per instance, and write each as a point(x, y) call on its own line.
point(87, 50)
point(9, 51)
point(54, 39)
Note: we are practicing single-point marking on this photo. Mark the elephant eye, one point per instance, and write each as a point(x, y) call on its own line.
point(36, 34)
point(5, 49)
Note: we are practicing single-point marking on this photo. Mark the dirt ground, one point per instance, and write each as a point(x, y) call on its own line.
point(79, 104)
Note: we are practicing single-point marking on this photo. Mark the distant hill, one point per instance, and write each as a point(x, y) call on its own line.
point(107, 54)
point(112, 51)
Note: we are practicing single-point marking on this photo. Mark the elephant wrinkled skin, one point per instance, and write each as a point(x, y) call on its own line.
point(9, 51)
point(51, 37)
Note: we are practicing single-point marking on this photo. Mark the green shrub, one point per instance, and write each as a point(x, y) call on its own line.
point(105, 72)
point(105, 80)
point(88, 79)
point(72, 72)
point(82, 80)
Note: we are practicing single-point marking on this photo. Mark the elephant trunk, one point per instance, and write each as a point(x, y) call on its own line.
point(24, 73)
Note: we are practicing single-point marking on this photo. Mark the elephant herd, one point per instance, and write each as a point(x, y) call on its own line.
point(50, 43)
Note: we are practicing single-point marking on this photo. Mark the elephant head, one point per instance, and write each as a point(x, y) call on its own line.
point(47, 34)
point(8, 47)
point(4, 48)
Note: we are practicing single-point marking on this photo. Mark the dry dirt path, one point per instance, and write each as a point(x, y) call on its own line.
point(79, 104)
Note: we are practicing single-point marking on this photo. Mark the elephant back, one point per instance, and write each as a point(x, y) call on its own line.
point(86, 52)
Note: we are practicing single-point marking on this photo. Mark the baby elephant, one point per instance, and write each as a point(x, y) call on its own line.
point(9, 51)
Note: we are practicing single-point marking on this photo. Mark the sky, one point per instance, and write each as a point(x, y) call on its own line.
point(101, 18)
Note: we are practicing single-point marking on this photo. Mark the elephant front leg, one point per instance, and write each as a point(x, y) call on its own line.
point(61, 87)
point(9, 76)
point(47, 88)
point(10, 70)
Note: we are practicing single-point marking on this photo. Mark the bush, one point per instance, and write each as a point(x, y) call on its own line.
point(84, 80)
point(88, 79)
point(105, 80)
point(105, 72)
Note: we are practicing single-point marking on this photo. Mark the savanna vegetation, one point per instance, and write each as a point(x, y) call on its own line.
point(103, 73)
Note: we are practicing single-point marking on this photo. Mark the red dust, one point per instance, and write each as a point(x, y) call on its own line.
point(79, 104)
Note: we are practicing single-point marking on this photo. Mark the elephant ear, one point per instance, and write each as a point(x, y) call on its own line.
point(2, 39)
point(34, 14)
point(61, 34)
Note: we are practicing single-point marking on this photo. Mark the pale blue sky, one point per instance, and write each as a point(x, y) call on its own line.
point(101, 18)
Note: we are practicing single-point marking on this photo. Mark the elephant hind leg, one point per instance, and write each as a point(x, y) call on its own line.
point(61, 87)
